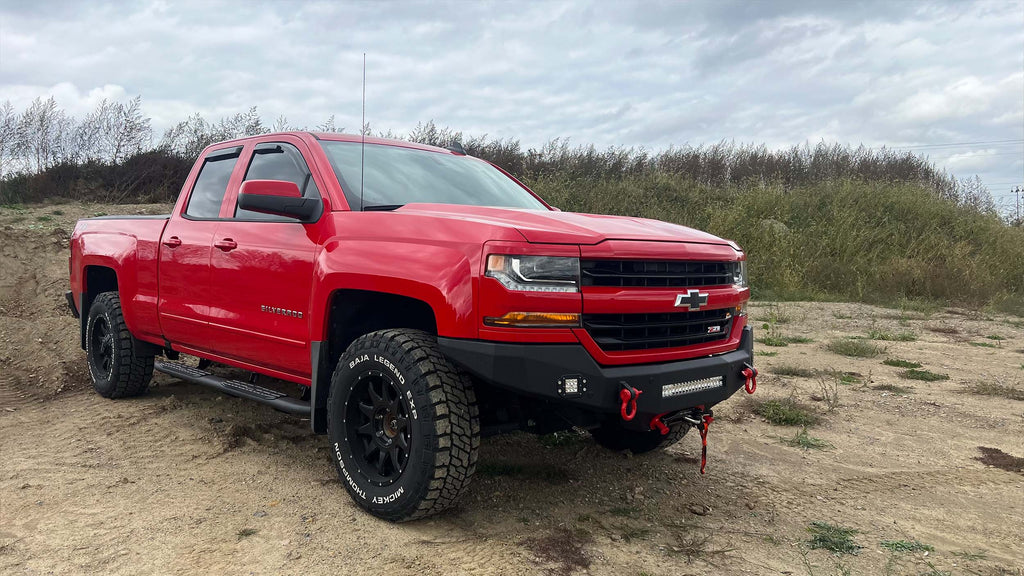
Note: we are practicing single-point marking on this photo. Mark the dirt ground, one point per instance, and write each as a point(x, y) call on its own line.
point(187, 481)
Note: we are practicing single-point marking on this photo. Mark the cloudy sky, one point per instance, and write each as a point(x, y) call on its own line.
point(946, 78)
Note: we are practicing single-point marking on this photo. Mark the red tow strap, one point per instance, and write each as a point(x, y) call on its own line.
point(750, 373)
point(628, 394)
point(708, 419)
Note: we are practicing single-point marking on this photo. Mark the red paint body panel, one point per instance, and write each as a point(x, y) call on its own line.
point(254, 294)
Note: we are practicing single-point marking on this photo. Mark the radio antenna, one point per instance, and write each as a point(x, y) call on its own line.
point(362, 139)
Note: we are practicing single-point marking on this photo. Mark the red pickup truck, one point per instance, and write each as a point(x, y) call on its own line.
point(421, 298)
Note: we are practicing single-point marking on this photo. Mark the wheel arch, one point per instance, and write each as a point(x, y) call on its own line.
point(350, 314)
point(98, 278)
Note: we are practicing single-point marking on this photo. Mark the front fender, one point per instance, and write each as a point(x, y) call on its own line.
point(441, 275)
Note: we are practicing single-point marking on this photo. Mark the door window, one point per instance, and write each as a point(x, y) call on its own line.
point(278, 161)
point(211, 184)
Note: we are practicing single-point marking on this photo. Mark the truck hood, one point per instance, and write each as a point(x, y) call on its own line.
point(551, 227)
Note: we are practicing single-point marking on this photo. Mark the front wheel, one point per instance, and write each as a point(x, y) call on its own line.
point(613, 436)
point(403, 425)
point(117, 366)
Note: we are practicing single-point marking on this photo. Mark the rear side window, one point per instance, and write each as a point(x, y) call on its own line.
point(278, 161)
point(211, 184)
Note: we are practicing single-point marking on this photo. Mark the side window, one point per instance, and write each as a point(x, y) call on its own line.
point(211, 184)
point(278, 161)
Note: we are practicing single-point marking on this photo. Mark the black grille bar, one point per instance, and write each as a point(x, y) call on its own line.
point(620, 332)
point(656, 273)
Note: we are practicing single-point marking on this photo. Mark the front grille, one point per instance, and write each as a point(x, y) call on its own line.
point(656, 273)
point(619, 332)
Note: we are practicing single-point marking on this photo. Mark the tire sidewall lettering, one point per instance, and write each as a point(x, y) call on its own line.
point(394, 494)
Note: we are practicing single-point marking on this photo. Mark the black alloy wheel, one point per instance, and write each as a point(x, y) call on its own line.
point(101, 347)
point(379, 420)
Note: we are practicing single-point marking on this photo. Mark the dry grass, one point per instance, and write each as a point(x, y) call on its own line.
point(995, 389)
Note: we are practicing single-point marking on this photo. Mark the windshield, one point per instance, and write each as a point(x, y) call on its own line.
point(396, 176)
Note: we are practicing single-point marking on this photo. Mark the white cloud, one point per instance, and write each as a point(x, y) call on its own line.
point(645, 74)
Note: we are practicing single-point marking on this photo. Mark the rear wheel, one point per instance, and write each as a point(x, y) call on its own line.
point(403, 424)
point(117, 366)
point(613, 436)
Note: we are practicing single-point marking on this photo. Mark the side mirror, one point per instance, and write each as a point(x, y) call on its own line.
point(278, 197)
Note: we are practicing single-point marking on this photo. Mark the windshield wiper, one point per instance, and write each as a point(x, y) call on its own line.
point(381, 207)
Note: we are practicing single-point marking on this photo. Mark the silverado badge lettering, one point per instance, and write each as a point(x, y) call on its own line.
point(281, 311)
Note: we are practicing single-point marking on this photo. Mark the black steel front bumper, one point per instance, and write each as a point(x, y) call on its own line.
point(543, 370)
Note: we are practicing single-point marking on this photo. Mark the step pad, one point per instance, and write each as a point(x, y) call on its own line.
point(237, 388)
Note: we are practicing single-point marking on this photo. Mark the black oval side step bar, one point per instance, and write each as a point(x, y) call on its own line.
point(237, 388)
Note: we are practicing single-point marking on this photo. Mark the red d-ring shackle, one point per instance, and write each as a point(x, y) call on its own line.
point(628, 395)
point(750, 373)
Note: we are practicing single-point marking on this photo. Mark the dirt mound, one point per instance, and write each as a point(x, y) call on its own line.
point(39, 353)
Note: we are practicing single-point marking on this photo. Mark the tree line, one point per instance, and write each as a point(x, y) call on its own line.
point(111, 154)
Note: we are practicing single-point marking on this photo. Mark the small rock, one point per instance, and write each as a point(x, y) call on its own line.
point(259, 513)
point(700, 509)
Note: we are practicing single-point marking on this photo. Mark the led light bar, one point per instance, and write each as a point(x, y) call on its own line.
point(680, 388)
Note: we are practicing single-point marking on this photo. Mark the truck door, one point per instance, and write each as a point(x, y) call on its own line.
point(184, 272)
point(262, 271)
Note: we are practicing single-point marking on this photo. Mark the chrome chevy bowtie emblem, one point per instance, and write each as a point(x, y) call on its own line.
point(692, 300)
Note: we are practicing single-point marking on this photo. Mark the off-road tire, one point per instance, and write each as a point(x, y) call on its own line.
point(129, 370)
point(443, 425)
point(613, 436)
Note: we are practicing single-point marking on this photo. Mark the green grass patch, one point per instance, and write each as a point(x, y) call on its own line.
point(894, 388)
point(983, 344)
point(246, 532)
point(849, 378)
point(905, 336)
point(785, 412)
point(854, 348)
point(769, 340)
point(832, 537)
point(994, 389)
point(57, 212)
point(768, 354)
point(805, 441)
point(906, 546)
point(995, 337)
point(896, 362)
point(790, 370)
point(44, 218)
point(924, 375)
point(798, 339)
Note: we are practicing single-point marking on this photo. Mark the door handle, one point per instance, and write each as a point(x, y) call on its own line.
point(227, 244)
point(172, 242)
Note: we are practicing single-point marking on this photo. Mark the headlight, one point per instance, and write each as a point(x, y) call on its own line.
point(535, 273)
point(739, 274)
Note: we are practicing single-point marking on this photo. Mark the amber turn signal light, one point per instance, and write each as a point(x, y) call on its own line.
point(535, 320)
